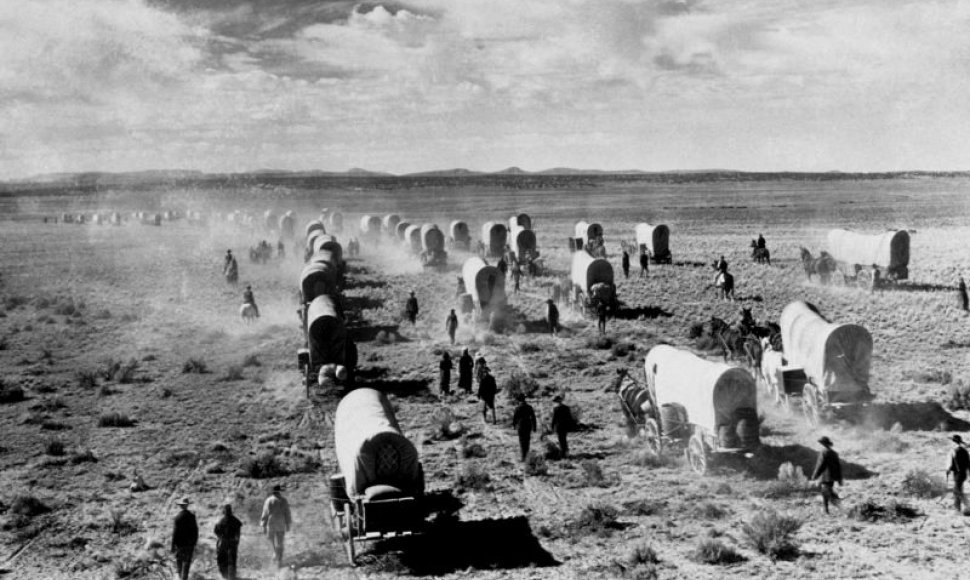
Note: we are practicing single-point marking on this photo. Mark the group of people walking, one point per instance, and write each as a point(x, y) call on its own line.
point(275, 521)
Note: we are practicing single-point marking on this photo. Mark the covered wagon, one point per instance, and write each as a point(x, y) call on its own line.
point(460, 235)
point(389, 224)
point(370, 227)
point(327, 243)
point(711, 406)
point(592, 280)
point(589, 237)
point(288, 225)
point(315, 226)
point(433, 252)
point(336, 221)
point(523, 242)
point(271, 220)
point(867, 259)
point(379, 492)
point(401, 230)
point(654, 240)
point(521, 220)
point(485, 284)
point(412, 239)
point(495, 237)
point(318, 278)
point(835, 359)
point(329, 352)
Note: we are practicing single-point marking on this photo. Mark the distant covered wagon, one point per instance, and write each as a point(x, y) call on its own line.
point(412, 239)
point(589, 237)
point(379, 491)
point(521, 220)
point(336, 221)
point(370, 227)
point(288, 225)
point(835, 359)
point(867, 259)
point(319, 278)
point(592, 280)
point(314, 225)
point(710, 405)
point(401, 230)
point(389, 224)
point(271, 220)
point(325, 243)
point(523, 242)
point(485, 284)
point(433, 252)
point(330, 353)
point(654, 240)
point(460, 235)
point(495, 236)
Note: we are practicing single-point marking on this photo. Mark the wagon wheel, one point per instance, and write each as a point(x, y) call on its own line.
point(810, 405)
point(349, 530)
point(651, 435)
point(697, 455)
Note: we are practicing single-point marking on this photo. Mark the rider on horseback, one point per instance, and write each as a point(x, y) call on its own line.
point(761, 242)
point(228, 261)
point(722, 267)
point(248, 298)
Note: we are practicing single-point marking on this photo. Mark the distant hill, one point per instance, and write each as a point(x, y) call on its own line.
point(511, 171)
point(458, 172)
point(571, 171)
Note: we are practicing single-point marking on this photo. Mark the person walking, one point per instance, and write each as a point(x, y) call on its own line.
point(562, 423)
point(552, 317)
point(228, 530)
point(644, 264)
point(625, 263)
point(249, 298)
point(465, 366)
point(828, 472)
point(516, 278)
point(444, 373)
point(486, 392)
point(962, 295)
point(959, 466)
point(601, 312)
point(228, 260)
point(451, 325)
point(411, 308)
point(524, 422)
point(460, 287)
point(480, 366)
point(185, 535)
point(502, 266)
point(275, 521)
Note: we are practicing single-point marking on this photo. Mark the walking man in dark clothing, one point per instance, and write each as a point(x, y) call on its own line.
point(444, 373)
point(411, 309)
point(524, 422)
point(185, 535)
point(465, 365)
point(502, 266)
point(644, 264)
point(562, 423)
point(962, 295)
point(625, 263)
point(601, 312)
point(486, 392)
point(552, 317)
point(451, 325)
point(228, 531)
point(480, 366)
point(959, 466)
point(248, 298)
point(828, 472)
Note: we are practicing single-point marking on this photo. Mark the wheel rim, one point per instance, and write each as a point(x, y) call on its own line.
point(696, 455)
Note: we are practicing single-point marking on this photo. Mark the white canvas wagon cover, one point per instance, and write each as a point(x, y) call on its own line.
point(586, 230)
point(326, 333)
point(390, 221)
point(710, 392)
point(485, 283)
point(318, 278)
point(655, 237)
point(522, 220)
point(314, 225)
point(328, 243)
point(370, 224)
point(371, 450)
point(494, 236)
point(523, 240)
point(459, 231)
point(587, 271)
point(336, 220)
point(836, 357)
point(889, 250)
point(432, 239)
point(412, 238)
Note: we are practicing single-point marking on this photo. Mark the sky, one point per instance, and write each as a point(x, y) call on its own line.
point(237, 85)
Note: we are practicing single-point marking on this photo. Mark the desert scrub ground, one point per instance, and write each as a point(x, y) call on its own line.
point(123, 356)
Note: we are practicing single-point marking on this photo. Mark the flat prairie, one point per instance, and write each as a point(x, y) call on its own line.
point(124, 356)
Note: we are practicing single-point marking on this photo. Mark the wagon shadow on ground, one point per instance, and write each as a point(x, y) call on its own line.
point(766, 461)
point(399, 387)
point(636, 313)
point(492, 544)
point(916, 287)
point(369, 333)
point(921, 416)
point(358, 303)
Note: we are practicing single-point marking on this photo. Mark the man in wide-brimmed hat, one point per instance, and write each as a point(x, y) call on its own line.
point(959, 467)
point(411, 308)
point(828, 472)
point(228, 530)
point(185, 535)
point(524, 422)
point(562, 423)
point(276, 521)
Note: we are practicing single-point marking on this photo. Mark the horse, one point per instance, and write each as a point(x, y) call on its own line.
point(232, 273)
point(724, 284)
point(823, 266)
point(760, 255)
point(248, 313)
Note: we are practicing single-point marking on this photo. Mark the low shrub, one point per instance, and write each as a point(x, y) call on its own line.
point(599, 342)
point(10, 393)
point(696, 330)
point(621, 349)
point(958, 396)
point(919, 483)
point(528, 347)
point(773, 534)
point(598, 519)
point(52, 425)
point(647, 458)
point(102, 314)
point(14, 302)
point(86, 379)
point(105, 391)
point(126, 374)
point(473, 477)
point(194, 365)
point(263, 466)
point(519, 384)
point(86, 456)
point(642, 507)
point(54, 447)
point(594, 476)
point(115, 419)
point(65, 308)
point(715, 552)
point(893, 512)
point(251, 360)
point(640, 562)
point(711, 511)
point(535, 464)
point(234, 373)
point(791, 481)
point(27, 506)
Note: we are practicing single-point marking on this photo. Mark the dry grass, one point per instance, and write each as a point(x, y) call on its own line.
point(115, 419)
point(715, 552)
point(773, 534)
